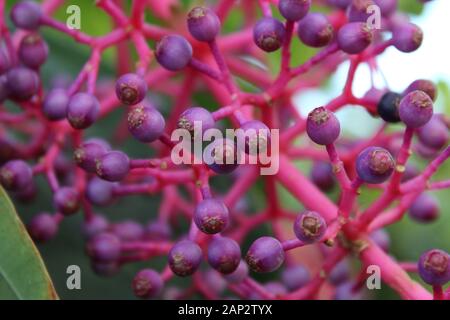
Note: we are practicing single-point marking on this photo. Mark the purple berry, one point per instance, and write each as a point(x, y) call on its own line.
point(94, 225)
point(173, 52)
point(340, 273)
point(253, 137)
point(387, 107)
point(407, 37)
point(147, 284)
point(295, 277)
point(82, 110)
point(145, 123)
point(426, 86)
point(346, 291)
point(387, 7)
point(382, 239)
point(238, 275)
point(224, 255)
point(26, 15)
point(322, 126)
point(16, 175)
point(33, 51)
point(104, 247)
point(309, 227)
point(131, 88)
point(358, 10)
point(354, 37)
point(211, 216)
point(185, 258)
point(294, 10)
point(269, 34)
point(434, 134)
point(4, 89)
point(275, 288)
point(99, 192)
point(113, 166)
point(416, 109)
point(315, 30)
point(203, 24)
point(105, 269)
point(196, 116)
point(66, 200)
point(128, 230)
point(88, 154)
point(322, 175)
point(266, 254)
point(26, 195)
point(424, 209)
point(43, 227)
point(5, 62)
point(374, 165)
point(411, 171)
point(214, 281)
point(434, 267)
point(23, 83)
point(158, 231)
point(222, 156)
point(55, 104)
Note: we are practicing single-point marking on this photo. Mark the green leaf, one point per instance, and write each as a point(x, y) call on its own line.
point(22, 272)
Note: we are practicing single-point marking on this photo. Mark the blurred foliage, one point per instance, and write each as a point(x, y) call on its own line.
point(409, 239)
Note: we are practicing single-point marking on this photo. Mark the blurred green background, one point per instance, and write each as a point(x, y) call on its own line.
point(409, 239)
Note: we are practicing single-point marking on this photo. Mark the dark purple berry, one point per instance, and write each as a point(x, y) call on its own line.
point(104, 247)
point(416, 109)
point(99, 192)
point(105, 269)
point(309, 227)
point(128, 230)
point(26, 15)
point(269, 34)
point(88, 154)
point(315, 30)
point(387, 108)
point(203, 24)
point(266, 254)
point(294, 10)
point(66, 200)
point(5, 62)
point(23, 83)
point(424, 209)
point(253, 137)
point(434, 134)
point(43, 227)
point(16, 175)
point(55, 104)
point(173, 52)
point(113, 166)
point(131, 88)
point(426, 86)
point(196, 116)
point(374, 165)
point(4, 89)
point(322, 175)
point(322, 126)
point(33, 51)
point(147, 284)
point(354, 37)
point(238, 275)
point(222, 156)
point(185, 258)
point(295, 277)
point(158, 231)
point(382, 239)
point(27, 195)
point(224, 255)
point(82, 110)
point(434, 267)
point(407, 37)
point(145, 123)
point(211, 216)
point(96, 224)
